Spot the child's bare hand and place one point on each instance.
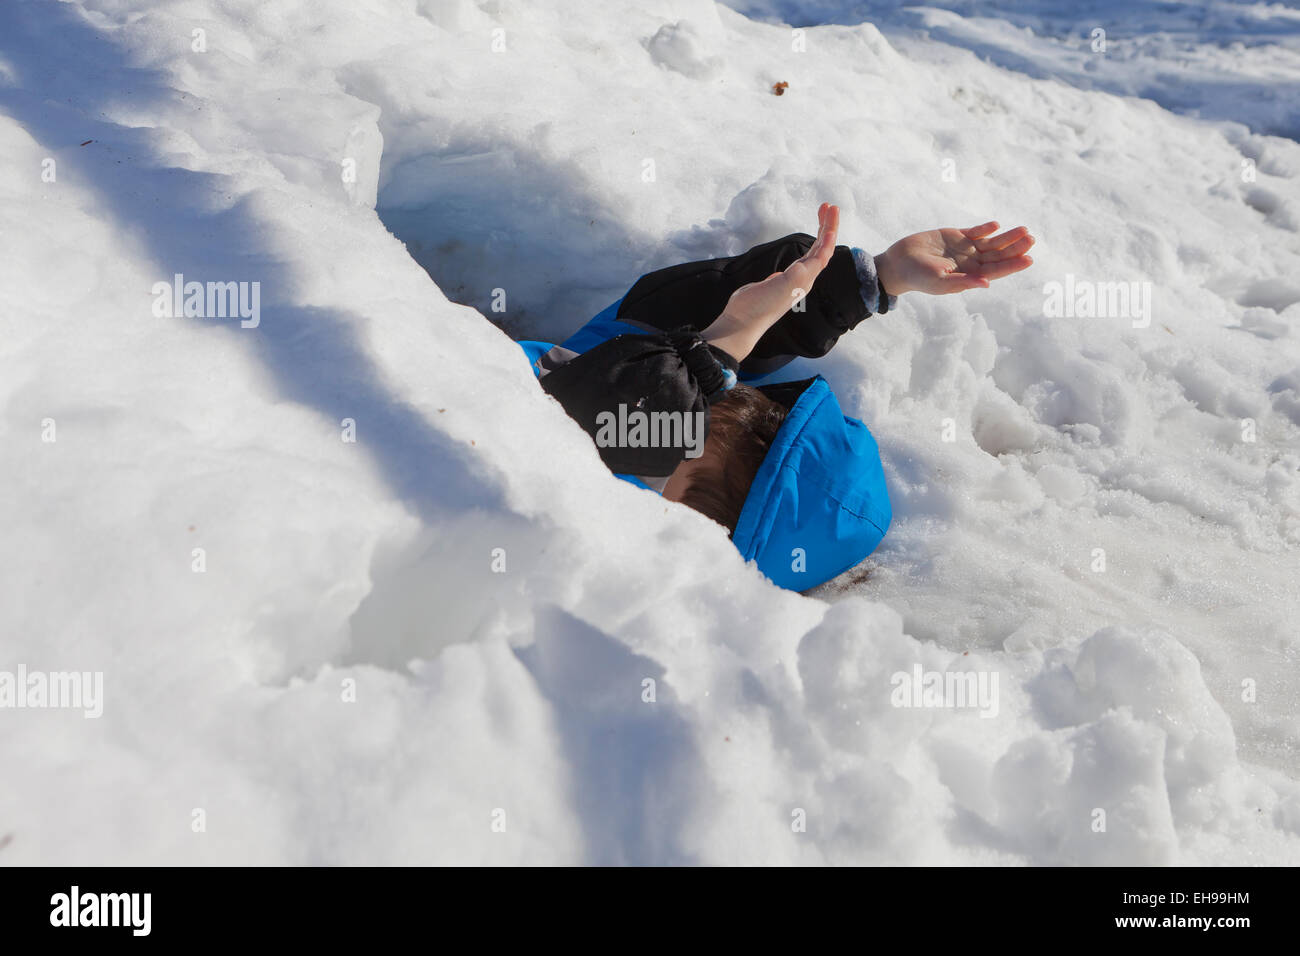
(773, 297)
(754, 308)
(953, 260)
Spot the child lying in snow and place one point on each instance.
(798, 484)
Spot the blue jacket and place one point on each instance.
(818, 504)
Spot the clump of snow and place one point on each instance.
(361, 593)
(679, 46)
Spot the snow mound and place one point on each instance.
(360, 593)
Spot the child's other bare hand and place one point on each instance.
(766, 301)
(754, 308)
(953, 260)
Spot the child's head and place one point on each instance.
(742, 427)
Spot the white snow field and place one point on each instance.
(433, 643)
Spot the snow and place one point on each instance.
(349, 679)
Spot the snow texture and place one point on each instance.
(457, 639)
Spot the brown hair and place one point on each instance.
(742, 427)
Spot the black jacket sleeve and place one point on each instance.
(695, 293)
(632, 378)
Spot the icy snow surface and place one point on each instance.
(434, 643)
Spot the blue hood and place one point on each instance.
(818, 504)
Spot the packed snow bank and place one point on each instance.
(1217, 59)
(456, 638)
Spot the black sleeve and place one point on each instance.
(674, 371)
(695, 293)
